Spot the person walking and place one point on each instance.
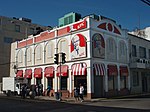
(76, 94)
(81, 92)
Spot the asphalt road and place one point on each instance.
(28, 105)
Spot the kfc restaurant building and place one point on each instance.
(96, 57)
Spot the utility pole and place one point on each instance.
(60, 58)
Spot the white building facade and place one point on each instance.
(96, 57)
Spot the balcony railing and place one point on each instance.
(140, 63)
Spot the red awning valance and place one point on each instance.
(49, 72)
(28, 73)
(112, 70)
(19, 73)
(79, 69)
(64, 70)
(38, 72)
(124, 71)
(99, 69)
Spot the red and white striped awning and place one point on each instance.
(63, 70)
(49, 72)
(124, 71)
(99, 69)
(112, 70)
(38, 72)
(28, 73)
(79, 69)
(19, 73)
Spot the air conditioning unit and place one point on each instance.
(146, 61)
(141, 60)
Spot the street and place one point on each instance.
(118, 105)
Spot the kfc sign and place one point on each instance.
(78, 26)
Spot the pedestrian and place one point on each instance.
(81, 92)
(76, 94)
(48, 90)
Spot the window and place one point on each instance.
(62, 46)
(110, 46)
(38, 81)
(49, 50)
(63, 83)
(29, 54)
(123, 81)
(135, 79)
(50, 82)
(20, 56)
(142, 52)
(0, 21)
(68, 20)
(31, 30)
(38, 52)
(134, 51)
(17, 28)
(149, 53)
(8, 40)
(122, 48)
(111, 82)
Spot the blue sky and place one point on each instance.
(130, 14)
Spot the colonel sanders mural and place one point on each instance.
(78, 46)
(98, 46)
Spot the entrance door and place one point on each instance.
(81, 80)
(98, 86)
(144, 83)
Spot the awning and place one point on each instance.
(79, 69)
(38, 72)
(112, 70)
(49, 72)
(99, 69)
(124, 71)
(19, 73)
(63, 72)
(28, 73)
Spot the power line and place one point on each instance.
(146, 2)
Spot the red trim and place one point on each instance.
(112, 70)
(124, 71)
(38, 72)
(64, 70)
(19, 73)
(28, 73)
(49, 72)
(79, 69)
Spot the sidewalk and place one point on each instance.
(72, 100)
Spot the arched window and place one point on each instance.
(49, 50)
(20, 56)
(123, 48)
(98, 45)
(38, 52)
(111, 49)
(29, 54)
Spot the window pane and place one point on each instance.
(31, 30)
(62, 44)
(8, 40)
(142, 52)
(17, 28)
(29, 54)
(63, 83)
(49, 50)
(133, 50)
(135, 79)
